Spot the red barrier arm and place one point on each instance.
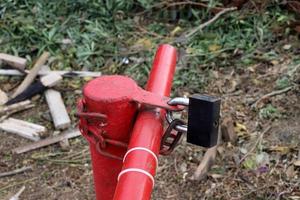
(135, 181)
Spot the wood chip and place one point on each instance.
(3, 98)
(64, 144)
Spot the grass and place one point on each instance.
(99, 35)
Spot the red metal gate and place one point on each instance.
(124, 130)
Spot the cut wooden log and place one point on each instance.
(15, 107)
(12, 72)
(48, 141)
(3, 98)
(32, 74)
(14, 61)
(58, 110)
(22, 128)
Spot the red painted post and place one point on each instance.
(107, 95)
(136, 180)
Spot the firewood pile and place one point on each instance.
(38, 80)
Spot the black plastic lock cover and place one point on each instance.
(203, 120)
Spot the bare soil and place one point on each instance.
(268, 172)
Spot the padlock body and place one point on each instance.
(203, 120)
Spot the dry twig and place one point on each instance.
(212, 20)
(6, 111)
(16, 171)
(207, 161)
(274, 93)
(48, 141)
(17, 183)
(17, 195)
(256, 143)
(167, 4)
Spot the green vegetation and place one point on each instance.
(99, 35)
(269, 112)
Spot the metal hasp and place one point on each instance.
(203, 120)
(124, 126)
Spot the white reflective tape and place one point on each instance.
(137, 170)
(142, 149)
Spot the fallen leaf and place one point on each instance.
(243, 150)
(87, 78)
(240, 129)
(274, 62)
(251, 69)
(290, 172)
(281, 149)
(262, 169)
(262, 159)
(297, 28)
(250, 162)
(297, 163)
(183, 167)
(215, 176)
(287, 46)
(66, 41)
(256, 82)
(145, 43)
(214, 47)
(221, 150)
(190, 50)
(176, 30)
(294, 197)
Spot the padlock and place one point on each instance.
(203, 120)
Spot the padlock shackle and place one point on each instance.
(136, 178)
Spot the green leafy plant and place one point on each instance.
(269, 112)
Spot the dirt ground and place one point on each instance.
(267, 170)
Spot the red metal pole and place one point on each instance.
(135, 181)
(106, 96)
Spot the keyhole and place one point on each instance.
(216, 123)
